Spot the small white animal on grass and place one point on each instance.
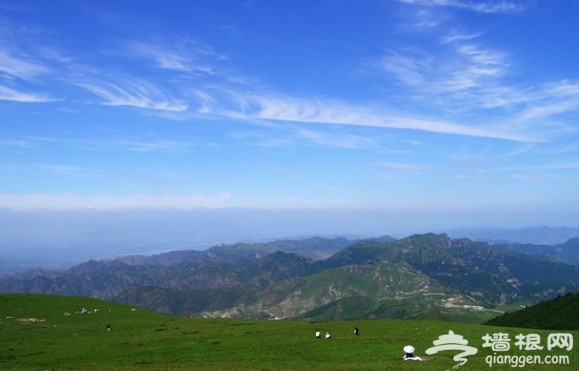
(328, 335)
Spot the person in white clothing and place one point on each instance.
(409, 354)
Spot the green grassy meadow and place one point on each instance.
(41, 332)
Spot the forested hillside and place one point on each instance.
(560, 313)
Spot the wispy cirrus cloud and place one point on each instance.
(184, 56)
(546, 108)
(290, 136)
(14, 95)
(14, 66)
(409, 69)
(465, 79)
(134, 94)
(489, 6)
(34, 64)
(457, 69)
(16, 69)
(187, 58)
(472, 67)
(303, 110)
(15, 143)
(334, 140)
(551, 99)
(139, 145)
(462, 68)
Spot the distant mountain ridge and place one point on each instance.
(222, 265)
(422, 276)
(567, 251)
(42, 250)
(542, 235)
(314, 248)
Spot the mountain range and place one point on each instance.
(429, 276)
(566, 251)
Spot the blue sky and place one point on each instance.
(453, 112)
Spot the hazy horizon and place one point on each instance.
(56, 239)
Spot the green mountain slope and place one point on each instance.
(560, 313)
(476, 269)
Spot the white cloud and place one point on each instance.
(459, 67)
(138, 145)
(474, 65)
(134, 94)
(289, 136)
(15, 67)
(461, 78)
(538, 111)
(340, 113)
(14, 95)
(18, 67)
(548, 102)
(409, 69)
(15, 143)
(163, 58)
(489, 6)
(184, 56)
(334, 140)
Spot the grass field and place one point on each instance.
(40, 332)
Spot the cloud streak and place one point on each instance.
(18, 67)
(13, 95)
(490, 6)
(340, 113)
(465, 79)
(184, 56)
(134, 94)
